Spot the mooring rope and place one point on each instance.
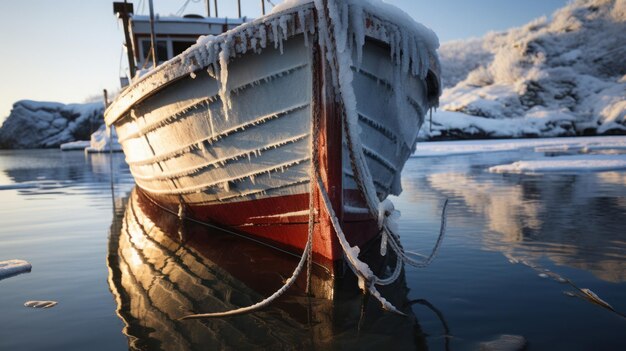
(288, 283)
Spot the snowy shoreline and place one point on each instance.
(558, 76)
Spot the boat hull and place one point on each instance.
(233, 147)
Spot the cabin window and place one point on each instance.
(178, 46)
(161, 50)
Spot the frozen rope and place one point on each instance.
(341, 62)
(367, 279)
(265, 302)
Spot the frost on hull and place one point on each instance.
(225, 128)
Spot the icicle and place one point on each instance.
(224, 91)
(302, 20)
(283, 25)
(383, 244)
(262, 36)
(275, 32)
(210, 117)
(430, 119)
(415, 61)
(358, 27)
(405, 52)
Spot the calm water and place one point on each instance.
(121, 276)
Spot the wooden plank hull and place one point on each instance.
(238, 154)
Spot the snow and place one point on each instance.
(38, 124)
(562, 76)
(449, 148)
(75, 145)
(13, 267)
(103, 140)
(564, 155)
(578, 163)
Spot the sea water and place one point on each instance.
(518, 250)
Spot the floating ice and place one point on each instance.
(103, 140)
(13, 267)
(40, 304)
(578, 163)
(449, 148)
(75, 145)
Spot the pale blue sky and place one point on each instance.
(69, 50)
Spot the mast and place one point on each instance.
(152, 36)
(124, 10)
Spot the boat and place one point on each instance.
(312, 108)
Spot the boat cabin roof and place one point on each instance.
(174, 34)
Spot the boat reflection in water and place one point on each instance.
(161, 270)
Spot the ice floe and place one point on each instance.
(576, 163)
(40, 304)
(449, 148)
(564, 155)
(10, 268)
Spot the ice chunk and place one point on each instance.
(13, 267)
(40, 304)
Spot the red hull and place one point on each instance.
(261, 219)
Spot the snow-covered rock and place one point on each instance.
(34, 124)
(552, 77)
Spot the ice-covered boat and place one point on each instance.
(234, 129)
